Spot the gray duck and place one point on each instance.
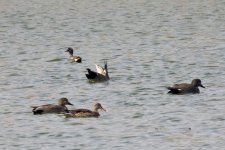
(52, 108)
(186, 88)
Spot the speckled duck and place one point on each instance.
(85, 113)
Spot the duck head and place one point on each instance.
(98, 106)
(64, 101)
(70, 51)
(197, 82)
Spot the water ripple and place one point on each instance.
(148, 45)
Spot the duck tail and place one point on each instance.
(106, 69)
(105, 63)
(37, 112)
(173, 90)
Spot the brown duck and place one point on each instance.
(186, 88)
(52, 108)
(83, 113)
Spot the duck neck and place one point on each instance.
(194, 84)
(95, 110)
(61, 104)
(71, 54)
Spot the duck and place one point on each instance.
(86, 113)
(73, 58)
(52, 108)
(186, 88)
(100, 75)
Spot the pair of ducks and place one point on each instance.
(61, 108)
(100, 75)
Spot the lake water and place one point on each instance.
(149, 44)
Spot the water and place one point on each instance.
(148, 44)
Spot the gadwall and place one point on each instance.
(52, 108)
(72, 57)
(185, 88)
(83, 113)
(100, 75)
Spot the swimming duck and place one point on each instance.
(73, 58)
(100, 75)
(185, 88)
(52, 108)
(84, 113)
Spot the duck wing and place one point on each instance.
(100, 70)
(81, 110)
(173, 90)
(179, 88)
(49, 108)
(82, 113)
(38, 110)
(78, 59)
(41, 107)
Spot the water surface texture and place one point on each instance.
(149, 44)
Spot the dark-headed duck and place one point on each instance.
(73, 58)
(52, 108)
(186, 88)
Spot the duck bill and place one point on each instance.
(103, 109)
(70, 103)
(202, 86)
